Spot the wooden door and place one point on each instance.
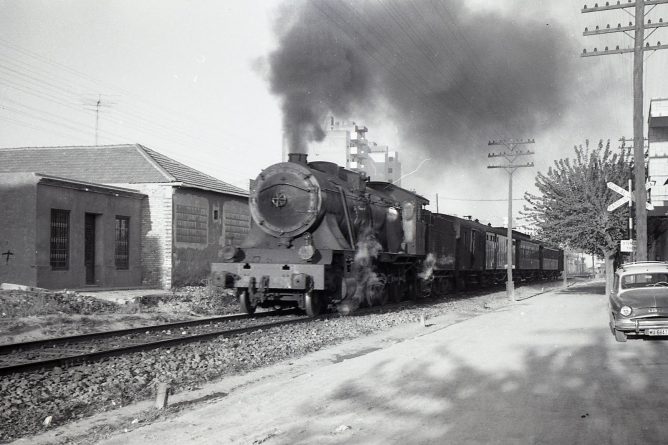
(89, 248)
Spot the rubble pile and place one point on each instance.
(200, 300)
(21, 303)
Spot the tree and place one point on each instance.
(571, 209)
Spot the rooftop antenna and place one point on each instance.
(96, 105)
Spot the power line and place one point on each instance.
(478, 200)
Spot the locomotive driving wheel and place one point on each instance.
(414, 288)
(245, 302)
(393, 291)
(376, 294)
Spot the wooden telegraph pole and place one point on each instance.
(638, 63)
(511, 156)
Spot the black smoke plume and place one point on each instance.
(317, 70)
(449, 77)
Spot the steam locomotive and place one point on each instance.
(323, 235)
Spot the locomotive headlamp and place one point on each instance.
(625, 311)
(307, 251)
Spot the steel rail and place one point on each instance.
(8, 348)
(97, 355)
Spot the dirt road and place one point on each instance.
(543, 370)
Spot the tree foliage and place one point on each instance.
(571, 208)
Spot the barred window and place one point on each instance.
(60, 239)
(122, 254)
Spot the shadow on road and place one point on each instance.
(599, 392)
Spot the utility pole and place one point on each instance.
(511, 156)
(638, 64)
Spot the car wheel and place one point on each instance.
(620, 336)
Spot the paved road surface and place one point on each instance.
(545, 371)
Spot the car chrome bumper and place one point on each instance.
(639, 325)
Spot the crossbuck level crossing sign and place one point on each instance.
(627, 196)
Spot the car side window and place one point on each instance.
(615, 284)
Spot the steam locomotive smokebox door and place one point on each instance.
(286, 200)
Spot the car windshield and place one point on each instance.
(644, 279)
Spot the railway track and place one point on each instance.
(78, 349)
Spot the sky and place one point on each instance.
(214, 84)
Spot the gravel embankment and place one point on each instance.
(70, 394)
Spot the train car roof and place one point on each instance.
(498, 230)
(402, 193)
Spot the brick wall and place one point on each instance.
(205, 222)
(156, 234)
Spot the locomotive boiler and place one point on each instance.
(320, 235)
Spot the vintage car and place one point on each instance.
(639, 300)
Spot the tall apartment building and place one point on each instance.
(657, 163)
(385, 163)
(346, 144)
(657, 169)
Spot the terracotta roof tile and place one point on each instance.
(109, 164)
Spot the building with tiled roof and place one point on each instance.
(186, 217)
(111, 164)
